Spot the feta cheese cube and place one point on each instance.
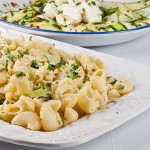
(92, 13)
(60, 20)
(50, 10)
(59, 2)
(70, 12)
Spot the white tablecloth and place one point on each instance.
(133, 135)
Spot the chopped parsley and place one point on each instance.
(121, 87)
(42, 1)
(74, 67)
(27, 95)
(58, 65)
(73, 72)
(108, 77)
(1, 101)
(27, 52)
(12, 14)
(93, 2)
(61, 63)
(20, 54)
(4, 5)
(51, 67)
(113, 82)
(46, 88)
(30, 38)
(5, 17)
(59, 122)
(11, 57)
(34, 64)
(8, 50)
(20, 74)
(78, 3)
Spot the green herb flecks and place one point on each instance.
(121, 87)
(27, 52)
(58, 65)
(93, 2)
(1, 101)
(61, 63)
(113, 82)
(78, 3)
(12, 13)
(44, 91)
(27, 95)
(73, 72)
(20, 54)
(4, 5)
(30, 38)
(20, 74)
(11, 57)
(51, 67)
(4, 17)
(74, 67)
(42, 1)
(34, 64)
(59, 122)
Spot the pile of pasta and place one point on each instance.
(43, 88)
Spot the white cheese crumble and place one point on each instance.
(74, 11)
(50, 10)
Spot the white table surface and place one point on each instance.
(133, 135)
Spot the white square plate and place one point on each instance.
(89, 127)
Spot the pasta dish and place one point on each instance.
(43, 88)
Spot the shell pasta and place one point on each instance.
(44, 89)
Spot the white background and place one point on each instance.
(133, 135)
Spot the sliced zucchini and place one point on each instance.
(128, 25)
(31, 11)
(124, 17)
(86, 31)
(124, 10)
(140, 14)
(112, 18)
(140, 23)
(109, 29)
(13, 16)
(109, 5)
(43, 25)
(138, 5)
(119, 26)
(51, 21)
(32, 2)
(80, 28)
(102, 30)
(107, 12)
(92, 27)
(69, 28)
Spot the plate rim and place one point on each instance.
(74, 33)
(70, 143)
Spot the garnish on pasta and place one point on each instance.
(42, 88)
